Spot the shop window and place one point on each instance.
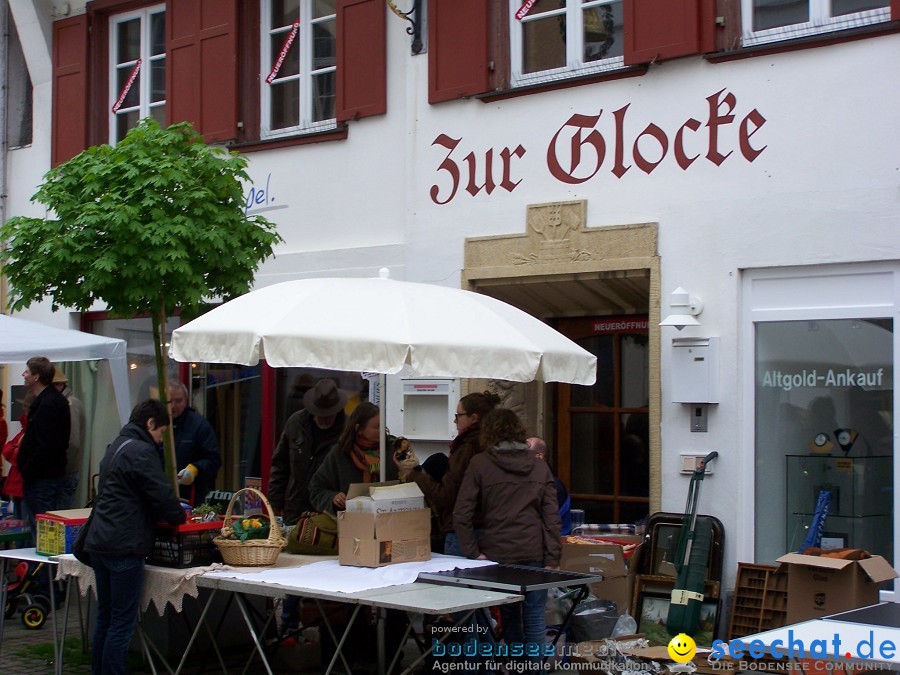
(824, 424)
(137, 75)
(768, 21)
(298, 66)
(560, 39)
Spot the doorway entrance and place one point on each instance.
(603, 431)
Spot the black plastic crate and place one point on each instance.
(187, 545)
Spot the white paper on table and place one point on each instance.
(328, 575)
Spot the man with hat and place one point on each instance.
(76, 440)
(308, 436)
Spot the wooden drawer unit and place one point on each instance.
(760, 600)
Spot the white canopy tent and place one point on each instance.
(21, 339)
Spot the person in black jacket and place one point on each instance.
(42, 454)
(133, 496)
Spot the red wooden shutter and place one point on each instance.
(664, 29)
(69, 128)
(458, 50)
(361, 59)
(895, 10)
(202, 66)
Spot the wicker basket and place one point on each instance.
(253, 552)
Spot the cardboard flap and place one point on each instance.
(815, 561)
(877, 568)
(360, 489)
(70, 514)
(398, 491)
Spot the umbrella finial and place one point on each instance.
(384, 273)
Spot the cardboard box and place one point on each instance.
(377, 539)
(820, 586)
(607, 559)
(56, 530)
(388, 499)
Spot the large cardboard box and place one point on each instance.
(820, 586)
(378, 539)
(605, 558)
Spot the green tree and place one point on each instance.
(153, 224)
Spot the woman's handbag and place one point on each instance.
(315, 534)
(81, 555)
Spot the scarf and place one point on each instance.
(365, 458)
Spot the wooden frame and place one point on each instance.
(656, 589)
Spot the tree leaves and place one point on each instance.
(160, 215)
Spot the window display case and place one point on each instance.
(861, 511)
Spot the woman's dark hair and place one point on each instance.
(359, 418)
(501, 424)
(479, 403)
(151, 409)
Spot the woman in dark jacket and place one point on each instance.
(441, 494)
(355, 459)
(516, 493)
(133, 496)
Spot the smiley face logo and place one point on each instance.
(682, 648)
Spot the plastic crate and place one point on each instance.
(187, 545)
(56, 530)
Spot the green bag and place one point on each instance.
(315, 534)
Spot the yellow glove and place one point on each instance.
(187, 475)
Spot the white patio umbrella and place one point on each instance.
(381, 325)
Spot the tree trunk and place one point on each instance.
(158, 319)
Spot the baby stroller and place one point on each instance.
(21, 591)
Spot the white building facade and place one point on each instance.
(581, 160)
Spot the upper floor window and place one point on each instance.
(560, 38)
(137, 58)
(298, 66)
(775, 20)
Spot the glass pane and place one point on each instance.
(603, 29)
(323, 97)
(128, 41)
(125, 122)
(596, 511)
(284, 12)
(635, 371)
(158, 80)
(634, 456)
(593, 449)
(323, 44)
(291, 64)
(603, 391)
(323, 8)
(775, 13)
(159, 114)
(133, 97)
(631, 512)
(158, 33)
(285, 99)
(824, 402)
(292, 383)
(841, 7)
(544, 44)
(542, 6)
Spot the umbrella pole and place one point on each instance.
(382, 427)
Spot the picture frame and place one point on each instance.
(652, 611)
(652, 595)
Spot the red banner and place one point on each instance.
(285, 48)
(127, 87)
(524, 9)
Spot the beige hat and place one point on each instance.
(59, 377)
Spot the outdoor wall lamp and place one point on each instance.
(684, 309)
(414, 16)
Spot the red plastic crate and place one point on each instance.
(187, 545)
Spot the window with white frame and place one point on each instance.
(137, 82)
(556, 39)
(776, 20)
(298, 66)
